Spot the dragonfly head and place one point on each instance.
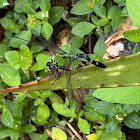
(49, 67)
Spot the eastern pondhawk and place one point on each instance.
(62, 59)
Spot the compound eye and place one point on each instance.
(49, 63)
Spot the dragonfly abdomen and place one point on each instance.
(96, 63)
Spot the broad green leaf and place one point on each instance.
(82, 28)
(136, 49)
(113, 11)
(17, 42)
(55, 98)
(84, 126)
(36, 136)
(132, 35)
(73, 21)
(94, 19)
(99, 9)
(13, 58)
(14, 135)
(92, 115)
(42, 15)
(76, 42)
(102, 22)
(128, 95)
(60, 109)
(4, 133)
(7, 23)
(42, 58)
(55, 14)
(117, 21)
(26, 57)
(36, 48)
(107, 27)
(103, 106)
(3, 3)
(37, 102)
(9, 75)
(47, 30)
(28, 128)
(20, 5)
(43, 113)
(132, 121)
(58, 134)
(47, 93)
(133, 6)
(3, 49)
(21, 96)
(127, 109)
(7, 118)
(89, 99)
(45, 5)
(111, 126)
(92, 137)
(100, 48)
(82, 7)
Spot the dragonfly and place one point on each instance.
(60, 62)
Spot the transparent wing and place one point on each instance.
(50, 45)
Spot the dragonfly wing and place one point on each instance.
(49, 45)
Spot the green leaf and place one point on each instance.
(17, 42)
(103, 107)
(127, 109)
(99, 9)
(89, 99)
(102, 22)
(21, 96)
(128, 95)
(111, 126)
(28, 128)
(9, 75)
(133, 6)
(117, 20)
(47, 30)
(132, 35)
(58, 134)
(43, 113)
(4, 134)
(13, 58)
(26, 57)
(100, 48)
(37, 102)
(82, 28)
(36, 136)
(45, 5)
(76, 42)
(3, 49)
(73, 21)
(60, 109)
(94, 19)
(42, 58)
(3, 3)
(55, 98)
(132, 121)
(136, 49)
(7, 118)
(82, 7)
(84, 126)
(55, 14)
(20, 5)
(14, 135)
(7, 23)
(92, 115)
(113, 11)
(47, 93)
